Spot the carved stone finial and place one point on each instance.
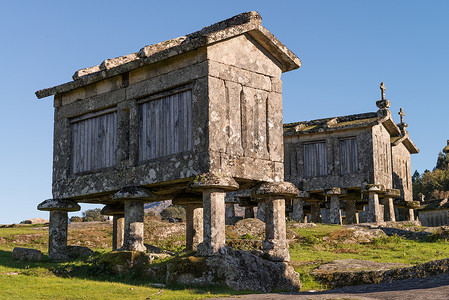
(383, 103)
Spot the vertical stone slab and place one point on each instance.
(411, 214)
(351, 212)
(194, 226)
(334, 211)
(118, 231)
(133, 237)
(315, 212)
(213, 222)
(298, 210)
(57, 241)
(249, 212)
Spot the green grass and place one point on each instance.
(314, 251)
(81, 280)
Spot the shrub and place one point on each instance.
(76, 219)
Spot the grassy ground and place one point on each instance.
(81, 280)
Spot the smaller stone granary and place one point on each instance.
(186, 119)
(357, 158)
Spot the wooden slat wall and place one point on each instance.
(165, 126)
(94, 143)
(348, 156)
(315, 159)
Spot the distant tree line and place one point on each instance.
(433, 184)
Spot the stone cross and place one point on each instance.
(402, 114)
(382, 87)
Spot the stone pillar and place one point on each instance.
(315, 212)
(230, 211)
(411, 214)
(213, 189)
(275, 245)
(298, 210)
(117, 211)
(134, 199)
(57, 233)
(373, 208)
(351, 212)
(249, 212)
(334, 210)
(261, 211)
(194, 226)
(389, 214)
(118, 231)
(193, 204)
(133, 237)
(374, 213)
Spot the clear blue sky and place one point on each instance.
(347, 48)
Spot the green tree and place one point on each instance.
(92, 215)
(442, 162)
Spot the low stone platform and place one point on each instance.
(347, 272)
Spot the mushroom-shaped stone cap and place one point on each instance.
(134, 193)
(213, 181)
(58, 204)
(377, 188)
(110, 210)
(187, 198)
(392, 193)
(268, 189)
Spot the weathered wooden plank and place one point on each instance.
(165, 126)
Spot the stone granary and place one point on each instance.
(187, 119)
(344, 158)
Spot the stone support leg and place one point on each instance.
(411, 214)
(315, 212)
(261, 211)
(249, 212)
(133, 237)
(213, 222)
(194, 226)
(57, 241)
(298, 210)
(335, 214)
(374, 214)
(351, 212)
(389, 209)
(230, 211)
(275, 243)
(118, 231)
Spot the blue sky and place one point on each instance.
(347, 48)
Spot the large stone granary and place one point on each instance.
(186, 119)
(351, 161)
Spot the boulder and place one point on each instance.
(239, 270)
(26, 254)
(78, 251)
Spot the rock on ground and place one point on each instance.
(239, 270)
(26, 254)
